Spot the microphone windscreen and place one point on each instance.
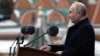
(27, 30)
(24, 30)
(53, 30)
(31, 30)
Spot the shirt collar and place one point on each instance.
(83, 20)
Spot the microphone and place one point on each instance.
(52, 31)
(28, 30)
(24, 30)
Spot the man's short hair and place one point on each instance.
(80, 7)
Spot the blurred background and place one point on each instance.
(14, 14)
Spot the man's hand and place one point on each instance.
(45, 48)
(59, 52)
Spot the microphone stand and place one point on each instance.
(35, 39)
(13, 44)
(18, 42)
(16, 45)
(14, 51)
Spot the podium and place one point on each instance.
(27, 51)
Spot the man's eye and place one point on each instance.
(70, 11)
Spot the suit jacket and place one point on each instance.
(79, 41)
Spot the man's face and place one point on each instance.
(73, 14)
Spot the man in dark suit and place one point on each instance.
(80, 38)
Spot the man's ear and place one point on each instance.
(80, 13)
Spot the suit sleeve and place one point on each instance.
(85, 43)
(55, 48)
